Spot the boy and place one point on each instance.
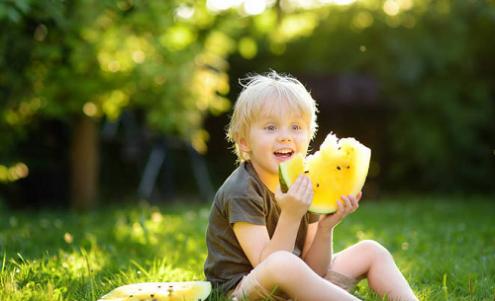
(263, 243)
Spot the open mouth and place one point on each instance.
(283, 154)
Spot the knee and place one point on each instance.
(283, 263)
(375, 250)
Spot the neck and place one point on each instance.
(271, 181)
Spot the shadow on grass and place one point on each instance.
(85, 255)
(443, 246)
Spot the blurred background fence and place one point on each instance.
(103, 101)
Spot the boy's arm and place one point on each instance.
(318, 246)
(254, 239)
(256, 243)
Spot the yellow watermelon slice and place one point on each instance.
(289, 170)
(160, 291)
(339, 168)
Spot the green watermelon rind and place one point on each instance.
(283, 178)
(320, 210)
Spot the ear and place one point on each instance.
(244, 145)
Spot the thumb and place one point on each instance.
(278, 192)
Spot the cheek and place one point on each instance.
(303, 140)
(303, 137)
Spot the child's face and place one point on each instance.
(275, 137)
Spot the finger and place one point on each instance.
(278, 190)
(306, 182)
(347, 203)
(340, 214)
(308, 185)
(305, 187)
(340, 209)
(309, 196)
(354, 203)
(350, 208)
(359, 195)
(295, 186)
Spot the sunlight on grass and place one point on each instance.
(81, 262)
(444, 248)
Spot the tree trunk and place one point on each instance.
(84, 157)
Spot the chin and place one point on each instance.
(280, 160)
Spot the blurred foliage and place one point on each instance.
(434, 65)
(436, 70)
(169, 59)
(63, 59)
(13, 173)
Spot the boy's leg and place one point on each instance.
(369, 259)
(289, 273)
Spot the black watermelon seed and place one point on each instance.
(339, 148)
(338, 167)
(151, 295)
(317, 184)
(306, 171)
(348, 167)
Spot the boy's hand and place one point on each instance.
(297, 199)
(348, 205)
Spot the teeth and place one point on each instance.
(284, 151)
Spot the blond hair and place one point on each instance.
(274, 89)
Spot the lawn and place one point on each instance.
(444, 246)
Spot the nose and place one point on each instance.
(285, 136)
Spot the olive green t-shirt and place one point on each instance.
(241, 198)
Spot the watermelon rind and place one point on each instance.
(289, 170)
(160, 291)
(284, 178)
(322, 210)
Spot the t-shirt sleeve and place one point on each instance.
(250, 210)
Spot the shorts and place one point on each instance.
(250, 283)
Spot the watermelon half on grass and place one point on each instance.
(160, 291)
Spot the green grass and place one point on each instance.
(445, 247)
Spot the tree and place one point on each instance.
(433, 65)
(84, 61)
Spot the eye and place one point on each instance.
(296, 127)
(270, 128)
